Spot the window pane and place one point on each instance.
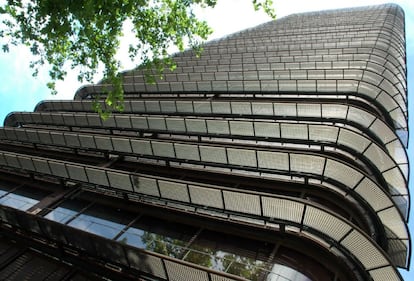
(22, 198)
(66, 211)
(102, 221)
(159, 236)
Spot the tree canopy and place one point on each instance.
(86, 34)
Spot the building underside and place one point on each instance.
(279, 154)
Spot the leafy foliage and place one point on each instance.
(87, 34)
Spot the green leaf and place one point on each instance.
(87, 34)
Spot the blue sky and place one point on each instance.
(19, 91)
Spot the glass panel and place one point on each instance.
(102, 221)
(283, 273)
(22, 198)
(66, 211)
(228, 253)
(159, 236)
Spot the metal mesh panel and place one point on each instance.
(103, 143)
(397, 249)
(121, 145)
(121, 181)
(353, 140)
(242, 157)
(58, 169)
(176, 124)
(220, 278)
(241, 108)
(180, 272)
(323, 133)
(44, 137)
(141, 147)
(146, 186)
(307, 163)
(379, 157)
(12, 161)
(213, 154)
(326, 223)
(3, 160)
(309, 110)
(86, 141)
(334, 111)
(241, 128)
(41, 166)
(72, 139)
(262, 108)
(393, 219)
(202, 107)
(384, 274)
(383, 131)
(57, 138)
(152, 106)
(373, 195)
(138, 122)
(218, 127)
(27, 163)
(264, 129)
(163, 149)
(172, 190)
(342, 173)
(364, 250)
(294, 131)
(282, 209)
(168, 106)
(206, 196)
(285, 109)
(245, 203)
(394, 178)
(97, 176)
(273, 160)
(360, 116)
(196, 126)
(156, 123)
(185, 106)
(187, 151)
(221, 107)
(146, 263)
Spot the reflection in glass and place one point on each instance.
(204, 256)
(22, 198)
(281, 273)
(66, 211)
(159, 236)
(102, 221)
(17, 201)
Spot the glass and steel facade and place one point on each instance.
(279, 154)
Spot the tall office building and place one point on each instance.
(278, 155)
